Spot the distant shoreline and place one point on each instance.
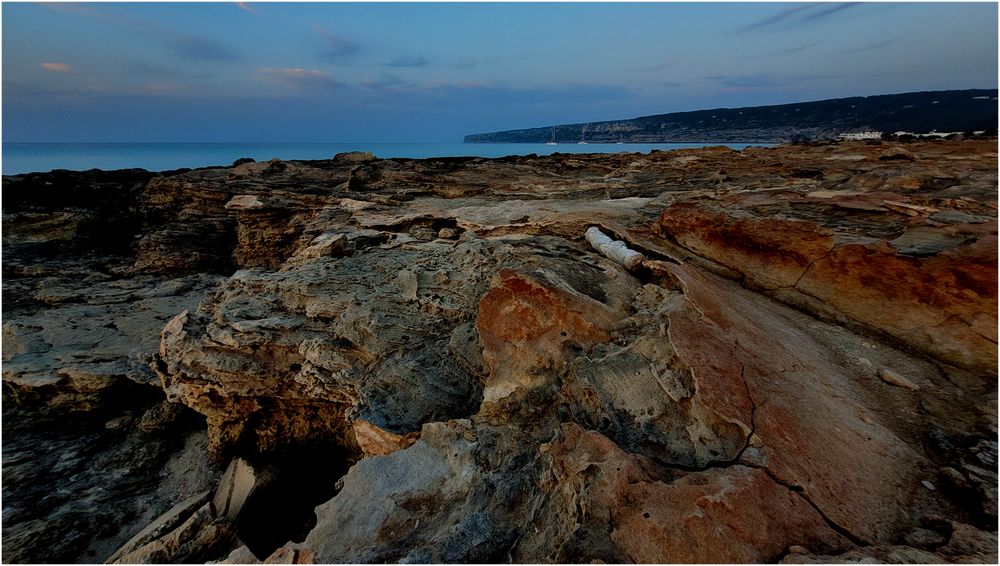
(942, 111)
(35, 157)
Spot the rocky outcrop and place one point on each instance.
(928, 283)
(428, 361)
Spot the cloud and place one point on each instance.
(474, 94)
(761, 80)
(246, 6)
(657, 67)
(776, 19)
(58, 67)
(871, 46)
(409, 61)
(748, 81)
(164, 87)
(70, 8)
(798, 15)
(336, 47)
(299, 77)
(187, 46)
(183, 45)
(828, 11)
(82, 90)
(147, 69)
(470, 61)
(790, 50)
(383, 81)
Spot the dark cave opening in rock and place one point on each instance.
(290, 484)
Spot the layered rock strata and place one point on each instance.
(426, 361)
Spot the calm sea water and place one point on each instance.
(32, 157)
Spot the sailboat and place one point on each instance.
(553, 142)
(583, 137)
(620, 142)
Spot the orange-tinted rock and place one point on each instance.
(374, 441)
(945, 304)
(723, 515)
(862, 475)
(526, 324)
(933, 288)
(708, 351)
(771, 253)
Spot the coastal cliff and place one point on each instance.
(399, 360)
(942, 111)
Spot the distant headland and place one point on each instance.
(941, 111)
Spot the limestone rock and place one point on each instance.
(722, 515)
(525, 324)
(234, 488)
(426, 361)
(932, 287)
(374, 441)
(355, 156)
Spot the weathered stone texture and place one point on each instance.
(390, 360)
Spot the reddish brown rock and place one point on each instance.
(525, 325)
(945, 304)
(933, 287)
(862, 475)
(771, 253)
(723, 515)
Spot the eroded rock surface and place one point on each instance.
(425, 361)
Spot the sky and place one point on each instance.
(382, 72)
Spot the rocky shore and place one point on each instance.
(397, 360)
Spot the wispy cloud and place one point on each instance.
(790, 50)
(409, 61)
(149, 69)
(246, 6)
(778, 18)
(335, 46)
(69, 8)
(828, 10)
(183, 45)
(299, 77)
(871, 46)
(84, 90)
(477, 93)
(39, 93)
(798, 15)
(384, 80)
(58, 67)
(758, 81)
(471, 61)
(749, 81)
(657, 66)
(187, 46)
(164, 87)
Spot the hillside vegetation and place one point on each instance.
(943, 111)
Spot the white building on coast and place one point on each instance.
(861, 136)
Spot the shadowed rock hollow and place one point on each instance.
(395, 360)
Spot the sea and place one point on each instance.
(36, 157)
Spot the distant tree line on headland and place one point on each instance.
(966, 111)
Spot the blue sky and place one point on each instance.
(373, 72)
